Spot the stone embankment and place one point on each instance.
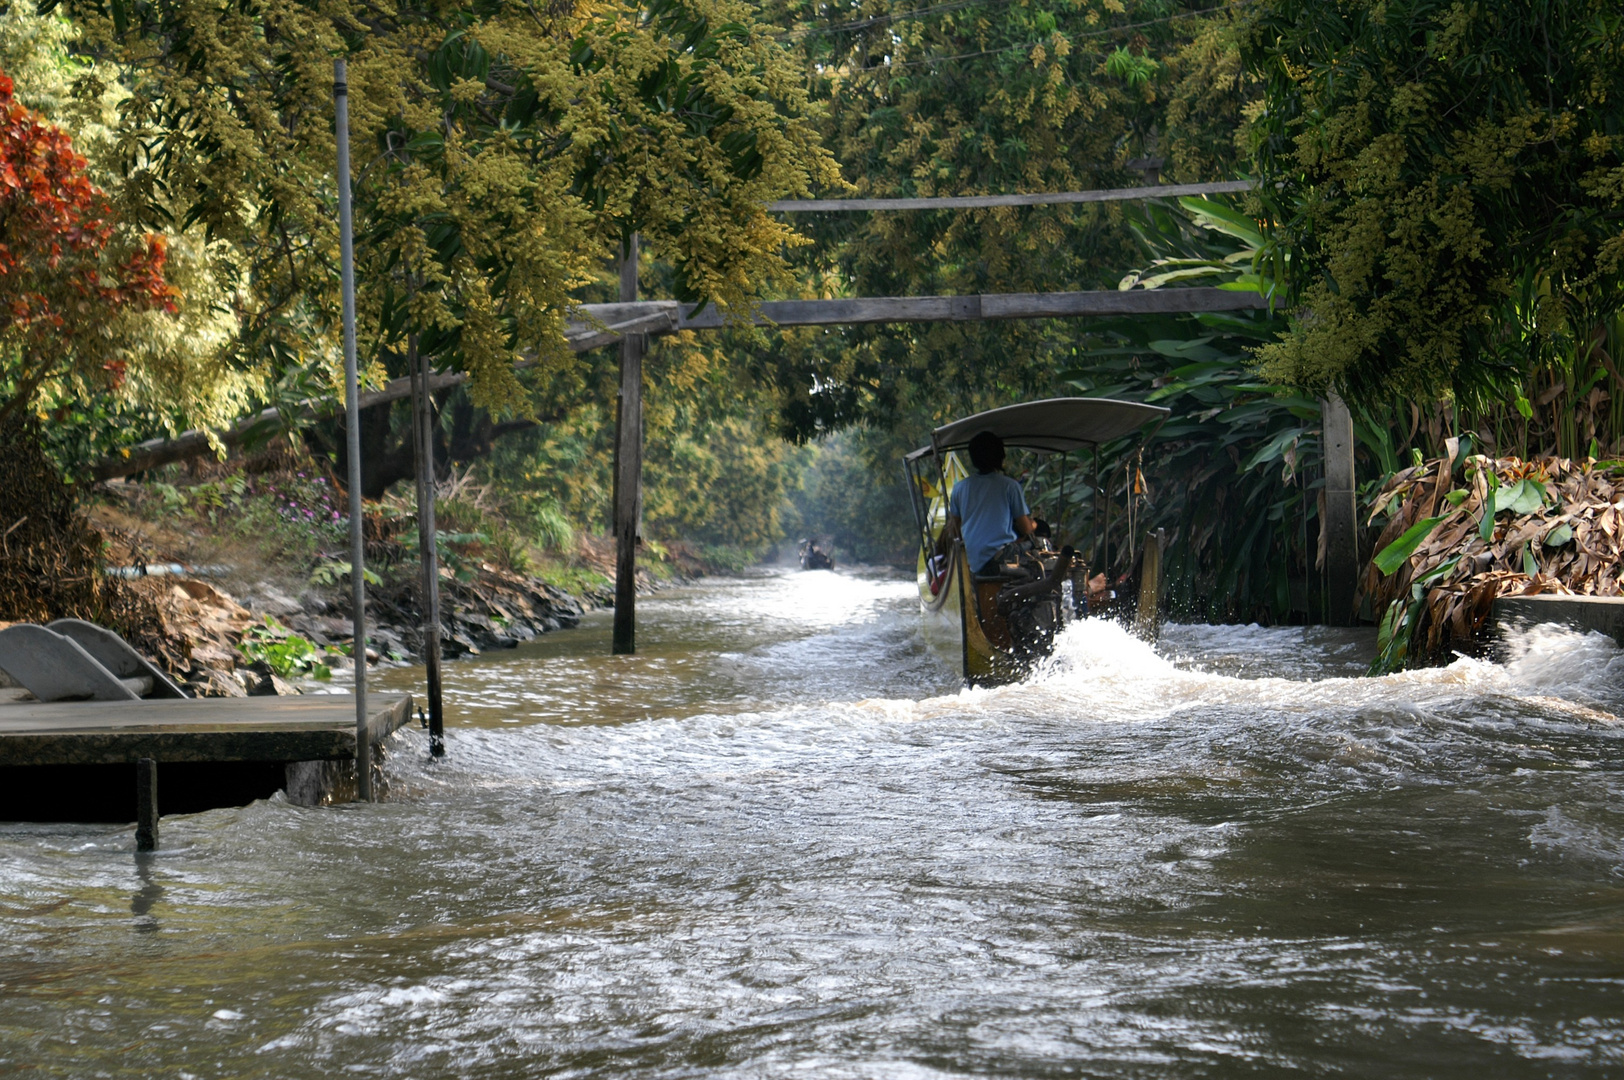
(495, 610)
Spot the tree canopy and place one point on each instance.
(504, 151)
(1448, 179)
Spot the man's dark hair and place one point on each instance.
(987, 452)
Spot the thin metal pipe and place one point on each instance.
(1060, 524)
(427, 543)
(352, 434)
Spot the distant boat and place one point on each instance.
(997, 626)
(814, 557)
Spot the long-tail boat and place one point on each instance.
(996, 626)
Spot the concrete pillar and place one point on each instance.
(1341, 521)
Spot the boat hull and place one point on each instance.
(951, 623)
(951, 617)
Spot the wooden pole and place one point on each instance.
(423, 445)
(1341, 522)
(628, 467)
(1047, 198)
(146, 805)
(352, 432)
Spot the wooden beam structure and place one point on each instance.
(1341, 520)
(905, 309)
(606, 324)
(976, 202)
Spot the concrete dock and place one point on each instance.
(1602, 614)
(76, 761)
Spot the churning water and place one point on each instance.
(780, 842)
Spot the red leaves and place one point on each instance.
(59, 282)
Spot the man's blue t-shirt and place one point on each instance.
(986, 505)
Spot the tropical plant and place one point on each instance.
(1235, 473)
(1464, 529)
(284, 652)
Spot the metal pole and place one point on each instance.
(628, 496)
(352, 435)
(1094, 500)
(423, 444)
(1060, 524)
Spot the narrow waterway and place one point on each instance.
(780, 841)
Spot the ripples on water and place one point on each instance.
(778, 841)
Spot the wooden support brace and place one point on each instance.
(632, 319)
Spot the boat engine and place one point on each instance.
(1031, 607)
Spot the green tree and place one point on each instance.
(979, 98)
(1448, 179)
(502, 152)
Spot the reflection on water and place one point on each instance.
(780, 840)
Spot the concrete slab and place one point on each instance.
(311, 727)
(1604, 614)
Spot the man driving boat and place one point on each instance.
(987, 508)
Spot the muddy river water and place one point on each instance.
(781, 842)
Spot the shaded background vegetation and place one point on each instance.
(1441, 235)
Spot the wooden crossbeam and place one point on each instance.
(608, 322)
(901, 309)
(1048, 198)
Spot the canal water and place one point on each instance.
(780, 842)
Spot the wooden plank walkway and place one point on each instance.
(310, 727)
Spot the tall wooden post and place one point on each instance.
(1341, 522)
(423, 444)
(628, 494)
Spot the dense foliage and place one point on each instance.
(502, 152)
(1449, 181)
(961, 99)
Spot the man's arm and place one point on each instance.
(1024, 525)
(949, 533)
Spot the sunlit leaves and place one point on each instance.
(64, 280)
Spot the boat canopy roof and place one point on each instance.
(1054, 425)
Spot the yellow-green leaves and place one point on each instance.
(1422, 160)
(502, 153)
